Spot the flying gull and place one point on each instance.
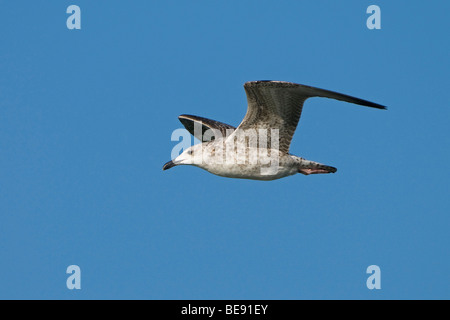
(258, 148)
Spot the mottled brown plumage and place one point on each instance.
(274, 109)
(279, 104)
(190, 121)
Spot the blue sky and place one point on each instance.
(86, 118)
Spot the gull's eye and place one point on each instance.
(190, 152)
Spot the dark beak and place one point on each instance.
(169, 165)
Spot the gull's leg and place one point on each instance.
(307, 167)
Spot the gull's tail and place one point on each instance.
(307, 167)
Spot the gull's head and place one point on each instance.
(190, 156)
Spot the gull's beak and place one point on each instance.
(169, 165)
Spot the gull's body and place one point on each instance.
(259, 147)
(286, 166)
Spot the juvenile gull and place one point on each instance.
(259, 147)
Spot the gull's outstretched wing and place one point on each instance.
(278, 105)
(204, 124)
